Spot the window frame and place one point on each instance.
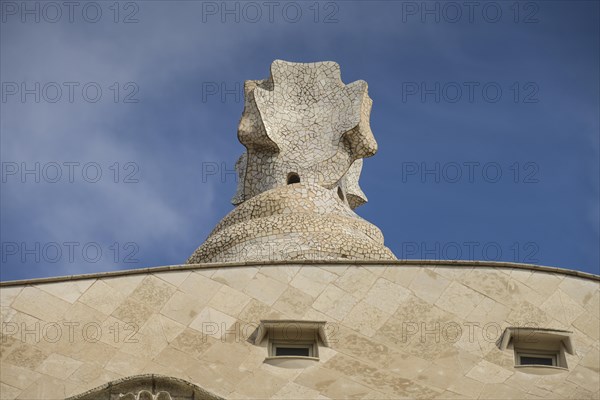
(312, 347)
(538, 342)
(291, 333)
(554, 356)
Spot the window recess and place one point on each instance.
(538, 350)
(291, 343)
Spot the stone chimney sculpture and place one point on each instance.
(305, 134)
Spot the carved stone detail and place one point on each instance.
(147, 387)
(145, 395)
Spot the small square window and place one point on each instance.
(279, 349)
(538, 350)
(292, 351)
(291, 343)
(528, 358)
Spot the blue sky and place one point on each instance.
(487, 121)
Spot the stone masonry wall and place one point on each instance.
(63, 338)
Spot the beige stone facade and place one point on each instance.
(395, 330)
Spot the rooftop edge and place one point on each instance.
(183, 267)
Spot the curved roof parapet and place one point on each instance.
(390, 263)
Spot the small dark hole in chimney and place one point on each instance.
(293, 178)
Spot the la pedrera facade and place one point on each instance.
(294, 296)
